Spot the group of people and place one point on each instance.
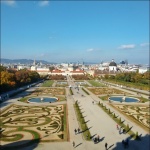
(77, 131)
(124, 142)
(96, 139)
(121, 130)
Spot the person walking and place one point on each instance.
(75, 131)
(117, 127)
(106, 146)
(73, 143)
(98, 138)
(78, 130)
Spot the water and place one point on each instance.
(80, 83)
(42, 100)
(121, 99)
(61, 82)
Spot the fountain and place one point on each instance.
(42, 99)
(123, 99)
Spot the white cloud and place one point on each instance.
(144, 44)
(44, 3)
(129, 46)
(9, 2)
(90, 50)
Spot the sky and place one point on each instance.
(75, 31)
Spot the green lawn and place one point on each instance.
(130, 84)
(142, 99)
(105, 98)
(48, 83)
(85, 91)
(96, 83)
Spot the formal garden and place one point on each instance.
(138, 114)
(26, 124)
(49, 91)
(59, 93)
(106, 90)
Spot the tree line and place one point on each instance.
(132, 77)
(11, 79)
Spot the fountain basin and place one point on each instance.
(123, 99)
(42, 100)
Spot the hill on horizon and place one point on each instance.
(23, 61)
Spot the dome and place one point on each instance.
(112, 64)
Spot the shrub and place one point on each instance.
(114, 115)
(85, 91)
(127, 127)
(120, 119)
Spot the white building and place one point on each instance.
(143, 69)
(112, 66)
(19, 67)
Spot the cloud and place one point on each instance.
(44, 3)
(129, 46)
(144, 44)
(9, 2)
(90, 50)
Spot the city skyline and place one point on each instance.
(60, 31)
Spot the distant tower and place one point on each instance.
(34, 62)
(41, 63)
(126, 62)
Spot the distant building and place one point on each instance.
(77, 72)
(143, 69)
(19, 67)
(112, 66)
(56, 72)
(33, 68)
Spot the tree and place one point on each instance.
(2, 68)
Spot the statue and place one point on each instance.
(123, 99)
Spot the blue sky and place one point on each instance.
(64, 31)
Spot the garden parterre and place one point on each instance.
(139, 113)
(26, 123)
(106, 90)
